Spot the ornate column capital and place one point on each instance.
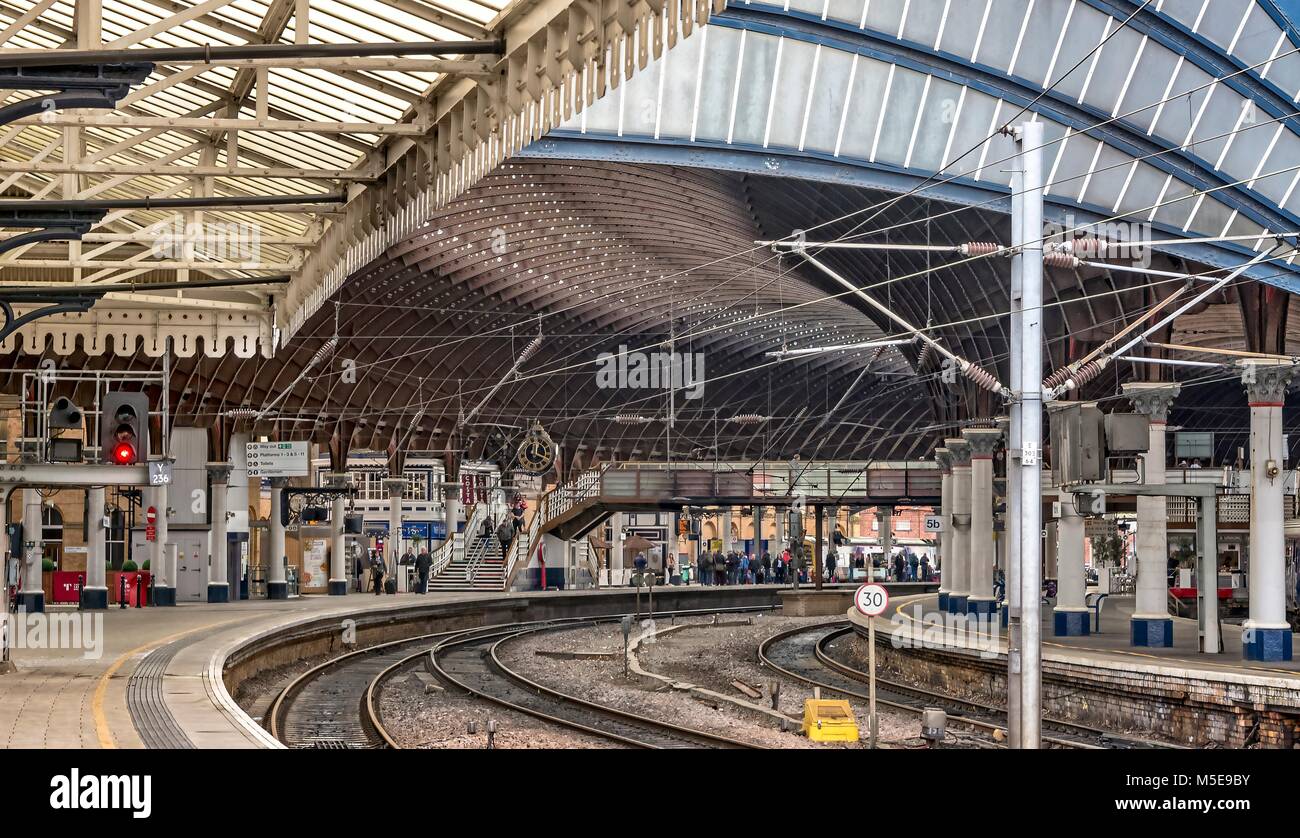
(339, 481)
(395, 486)
(278, 482)
(1266, 382)
(219, 473)
(983, 442)
(959, 451)
(1153, 398)
(943, 457)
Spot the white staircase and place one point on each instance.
(481, 567)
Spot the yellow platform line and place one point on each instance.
(102, 730)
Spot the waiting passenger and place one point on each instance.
(377, 571)
(767, 568)
(719, 568)
(422, 564)
(830, 565)
(744, 568)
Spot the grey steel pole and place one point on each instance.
(1030, 139)
(1207, 539)
(1012, 581)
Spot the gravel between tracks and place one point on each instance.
(710, 657)
(441, 720)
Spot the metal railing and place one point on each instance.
(447, 550)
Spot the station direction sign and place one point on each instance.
(277, 459)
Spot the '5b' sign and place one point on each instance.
(934, 523)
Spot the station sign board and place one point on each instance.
(277, 459)
(934, 523)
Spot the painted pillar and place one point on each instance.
(395, 487)
(451, 507)
(1070, 616)
(1266, 635)
(959, 563)
(726, 519)
(782, 513)
(758, 532)
(218, 549)
(885, 532)
(33, 595)
(943, 457)
(616, 523)
(1151, 624)
(277, 586)
(164, 584)
(94, 594)
(338, 541)
(983, 442)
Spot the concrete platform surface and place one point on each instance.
(78, 697)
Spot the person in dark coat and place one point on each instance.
(899, 566)
(719, 568)
(830, 565)
(423, 563)
(377, 570)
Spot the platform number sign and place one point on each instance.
(871, 600)
(934, 523)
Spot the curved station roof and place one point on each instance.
(474, 242)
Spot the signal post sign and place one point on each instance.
(151, 524)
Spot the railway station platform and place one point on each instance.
(152, 682)
(1199, 698)
(156, 677)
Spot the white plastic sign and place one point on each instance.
(934, 523)
(871, 600)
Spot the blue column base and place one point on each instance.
(218, 593)
(338, 587)
(957, 603)
(1266, 644)
(943, 600)
(94, 599)
(277, 590)
(982, 608)
(1071, 623)
(164, 596)
(33, 602)
(1006, 615)
(1153, 632)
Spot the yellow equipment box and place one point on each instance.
(829, 721)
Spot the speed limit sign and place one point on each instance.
(871, 600)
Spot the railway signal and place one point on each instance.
(124, 428)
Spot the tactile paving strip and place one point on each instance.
(144, 698)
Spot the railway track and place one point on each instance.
(804, 654)
(335, 704)
(474, 664)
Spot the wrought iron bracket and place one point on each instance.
(293, 500)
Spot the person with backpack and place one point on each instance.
(423, 562)
(744, 568)
(830, 565)
(719, 568)
(377, 571)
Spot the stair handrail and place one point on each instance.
(447, 550)
(551, 503)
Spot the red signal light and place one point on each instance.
(124, 454)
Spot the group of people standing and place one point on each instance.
(735, 568)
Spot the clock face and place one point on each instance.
(536, 453)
